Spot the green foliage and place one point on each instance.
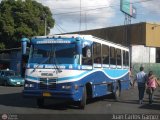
(2, 46)
(22, 18)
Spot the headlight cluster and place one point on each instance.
(29, 85)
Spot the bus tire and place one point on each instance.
(117, 92)
(40, 102)
(82, 103)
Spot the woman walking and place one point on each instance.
(151, 86)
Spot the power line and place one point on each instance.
(87, 10)
(102, 7)
(82, 10)
(63, 30)
(58, 29)
(80, 16)
(81, 7)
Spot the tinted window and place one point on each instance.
(119, 59)
(53, 53)
(125, 58)
(112, 56)
(87, 55)
(97, 53)
(105, 54)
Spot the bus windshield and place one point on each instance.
(52, 54)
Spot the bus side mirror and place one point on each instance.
(24, 42)
(86, 52)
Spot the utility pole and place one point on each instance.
(45, 22)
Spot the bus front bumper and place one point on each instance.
(67, 95)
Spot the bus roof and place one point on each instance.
(61, 36)
(85, 37)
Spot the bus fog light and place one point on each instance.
(76, 87)
(31, 85)
(66, 87)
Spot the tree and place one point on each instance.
(22, 18)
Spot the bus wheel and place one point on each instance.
(82, 103)
(117, 92)
(40, 102)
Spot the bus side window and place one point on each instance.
(87, 55)
(112, 56)
(97, 53)
(105, 54)
(119, 58)
(127, 58)
(124, 59)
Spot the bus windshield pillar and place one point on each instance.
(78, 47)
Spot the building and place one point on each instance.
(10, 58)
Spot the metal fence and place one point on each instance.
(155, 67)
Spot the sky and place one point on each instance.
(97, 13)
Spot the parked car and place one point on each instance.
(10, 77)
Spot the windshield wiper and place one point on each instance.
(40, 64)
(53, 54)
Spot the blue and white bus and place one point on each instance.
(75, 67)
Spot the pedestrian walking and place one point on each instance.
(131, 76)
(141, 81)
(152, 83)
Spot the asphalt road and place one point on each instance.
(11, 101)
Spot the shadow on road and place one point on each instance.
(152, 107)
(128, 101)
(17, 100)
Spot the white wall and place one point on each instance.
(143, 54)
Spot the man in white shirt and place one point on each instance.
(141, 81)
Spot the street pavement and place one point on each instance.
(11, 101)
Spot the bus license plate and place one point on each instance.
(47, 94)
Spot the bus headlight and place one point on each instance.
(76, 87)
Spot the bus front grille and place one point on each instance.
(47, 83)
